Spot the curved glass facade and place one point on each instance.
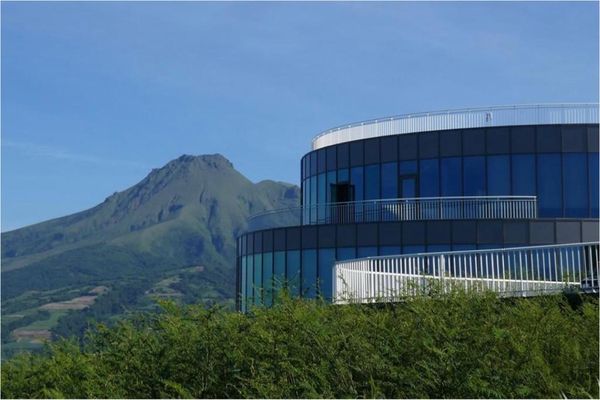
(556, 163)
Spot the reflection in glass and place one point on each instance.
(309, 273)
(293, 272)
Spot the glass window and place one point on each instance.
(463, 247)
(346, 253)
(313, 163)
(451, 176)
(309, 273)
(331, 158)
(593, 179)
(343, 176)
(331, 181)
(313, 199)
(257, 278)
(407, 167)
(356, 153)
(321, 196)
(326, 259)
(474, 176)
(278, 271)
(549, 191)
(389, 180)
(342, 155)
(413, 249)
(243, 284)
(321, 160)
(436, 248)
(429, 178)
(523, 175)
(409, 187)
(267, 280)
(575, 185)
(372, 182)
(356, 176)
(390, 250)
(250, 279)
(293, 272)
(498, 175)
(367, 252)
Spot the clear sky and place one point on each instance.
(94, 95)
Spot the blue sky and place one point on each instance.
(94, 95)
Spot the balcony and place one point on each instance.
(523, 271)
(395, 210)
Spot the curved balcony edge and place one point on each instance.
(399, 209)
(480, 117)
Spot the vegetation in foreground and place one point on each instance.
(455, 345)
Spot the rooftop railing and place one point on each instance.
(522, 271)
(402, 209)
(537, 114)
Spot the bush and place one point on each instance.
(456, 345)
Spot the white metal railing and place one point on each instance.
(406, 209)
(522, 271)
(537, 114)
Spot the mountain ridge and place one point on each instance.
(179, 217)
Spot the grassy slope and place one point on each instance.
(187, 213)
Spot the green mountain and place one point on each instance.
(171, 235)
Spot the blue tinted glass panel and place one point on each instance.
(367, 252)
(549, 186)
(429, 178)
(346, 253)
(356, 179)
(257, 278)
(474, 176)
(326, 259)
(593, 179)
(409, 187)
(321, 196)
(390, 250)
(331, 181)
(268, 278)
(413, 249)
(313, 199)
(451, 176)
(372, 182)
(293, 272)
(461, 247)
(278, 270)
(250, 279)
(523, 175)
(343, 175)
(243, 284)
(389, 180)
(575, 184)
(407, 167)
(309, 273)
(498, 173)
(436, 248)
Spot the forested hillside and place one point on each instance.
(172, 235)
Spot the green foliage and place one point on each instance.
(455, 345)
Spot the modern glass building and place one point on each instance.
(446, 181)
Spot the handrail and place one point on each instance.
(521, 271)
(475, 117)
(399, 209)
